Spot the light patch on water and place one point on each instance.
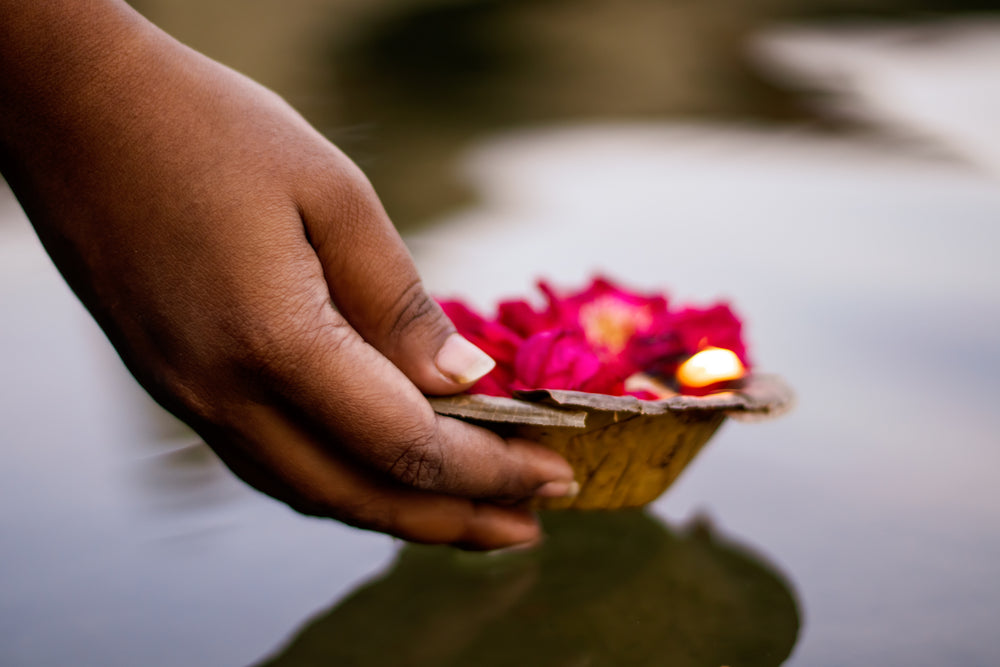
(936, 80)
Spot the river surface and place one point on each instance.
(862, 528)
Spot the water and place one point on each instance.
(867, 280)
(641, 594)
(860, 529)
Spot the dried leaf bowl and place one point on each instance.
(625, 452)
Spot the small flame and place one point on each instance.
(709, 367)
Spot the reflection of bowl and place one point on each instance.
(625, 452)
(605, 588)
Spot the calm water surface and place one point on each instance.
(861, 529)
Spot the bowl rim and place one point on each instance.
(760, 395)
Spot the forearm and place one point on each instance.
(96, 102)
(61, 63)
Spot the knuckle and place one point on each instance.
(419, 460)
(414, 311)
(349, 198)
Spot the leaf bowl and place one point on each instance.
(625, 452)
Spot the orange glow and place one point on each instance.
(710, 366)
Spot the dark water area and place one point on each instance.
(516, 139)
(607, 588)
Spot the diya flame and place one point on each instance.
(601, 337)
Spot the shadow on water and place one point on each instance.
(605, 589)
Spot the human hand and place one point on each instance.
(248, 276)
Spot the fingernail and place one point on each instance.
(461, 361)
(530, 545)
(558, 490)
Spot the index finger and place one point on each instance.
(365, 406)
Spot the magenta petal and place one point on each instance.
(532, 360)
(716, 326)
(492, 385)
(522, 318)
(556, 360)
(579, 362)
(464, 318)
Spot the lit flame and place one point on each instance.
(710, 366)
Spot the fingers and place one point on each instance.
(312, 480)
(352, 376)
(376, 287)
(470, 461)
(361, 403)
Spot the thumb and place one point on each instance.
(422, 342)
(375, 285)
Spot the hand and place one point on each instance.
(248, 276)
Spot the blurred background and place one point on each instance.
(829, 167)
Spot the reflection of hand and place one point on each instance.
(210, 230)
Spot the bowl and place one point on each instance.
(625, 452)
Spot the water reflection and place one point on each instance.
(430, 77)
(605, 589)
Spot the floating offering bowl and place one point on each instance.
(625, 451)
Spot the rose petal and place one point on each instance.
(519, 316)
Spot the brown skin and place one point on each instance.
(248, 276)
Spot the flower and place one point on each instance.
(565, 359)
(608, 315)
(593, 340)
